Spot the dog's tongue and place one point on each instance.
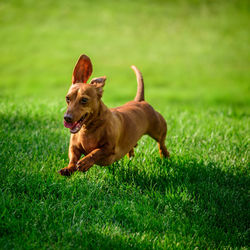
(69, 125)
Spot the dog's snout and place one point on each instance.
(68, 118)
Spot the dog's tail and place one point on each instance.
(140, 85)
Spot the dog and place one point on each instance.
(106, 135)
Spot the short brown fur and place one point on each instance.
(106, 135)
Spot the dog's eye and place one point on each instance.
(84, 100)
(67, 99)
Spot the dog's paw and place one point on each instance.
(66, 171)
(84, 165)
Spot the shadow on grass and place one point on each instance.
(214, 201)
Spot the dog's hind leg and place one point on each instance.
(162, 148)
(161, 144)
(131, 153)
(159, 132)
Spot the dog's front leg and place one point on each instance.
(93, 157)
(74, 156)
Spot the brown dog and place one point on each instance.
(105, 135)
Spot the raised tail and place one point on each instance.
(140, 85)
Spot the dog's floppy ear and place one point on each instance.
(99, 83)
(83, 70)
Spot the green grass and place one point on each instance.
(194, 56)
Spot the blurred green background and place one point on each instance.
(188, 51)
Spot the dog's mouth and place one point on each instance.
(76, 126)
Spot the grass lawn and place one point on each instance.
(195, 59)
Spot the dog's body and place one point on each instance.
(105, 135)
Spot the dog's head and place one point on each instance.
(83, 98)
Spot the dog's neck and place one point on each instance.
(97, 118)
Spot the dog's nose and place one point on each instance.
(68, 118)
